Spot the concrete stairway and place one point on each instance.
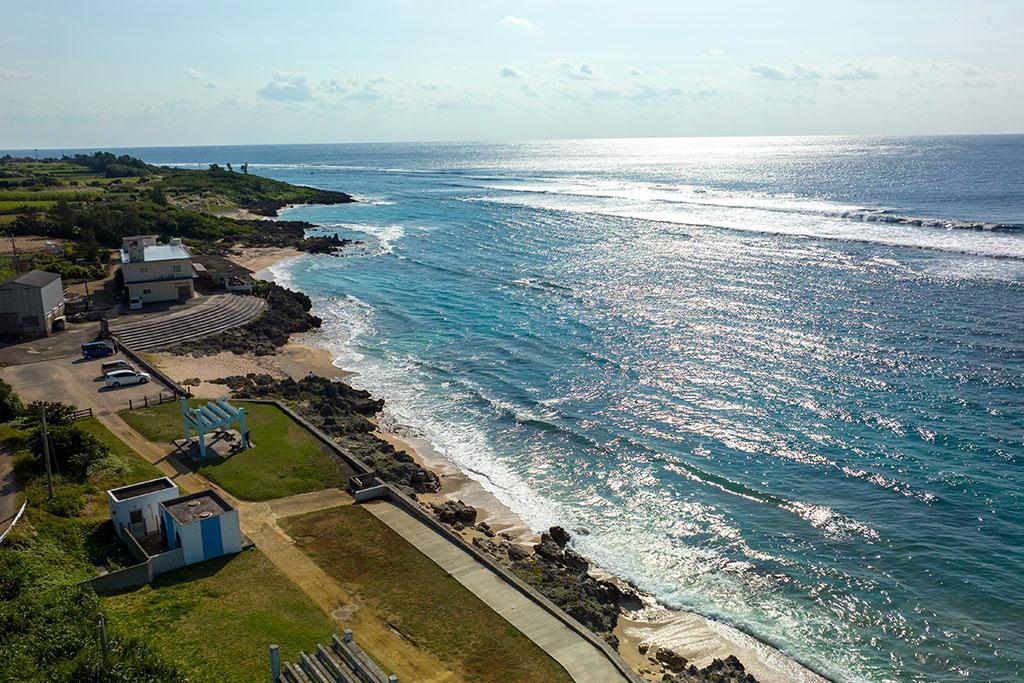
(342, 662)
(212, 315)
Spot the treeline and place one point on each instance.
(111, 166)
(105, 221)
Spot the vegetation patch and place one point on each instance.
(284, 460)
(418, 598)
(215, 620)
(48, 622)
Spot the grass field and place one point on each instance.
(285, 458)
(420, 600)
(216, 619)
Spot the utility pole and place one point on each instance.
(14, 253)
(46, 456)
(102, 623)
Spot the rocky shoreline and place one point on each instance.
(350, 417)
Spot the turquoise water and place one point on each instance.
(776, 381)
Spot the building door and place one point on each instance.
(9, 323)
(137, 524)
(184, 291)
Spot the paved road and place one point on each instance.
(9, 502)
(581, 659)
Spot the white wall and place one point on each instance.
(120, 511)
(191, 542)
(166, 290)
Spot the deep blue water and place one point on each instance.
(777, 381)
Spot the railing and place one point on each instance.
(150, 401)
(16, 518)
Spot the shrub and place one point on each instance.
(10, 404)
(57, 414)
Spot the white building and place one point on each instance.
(136, 508)
(203, 525)
(157, 272)
(30, 302)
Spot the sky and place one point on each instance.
(119, 74)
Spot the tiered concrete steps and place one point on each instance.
(342, 662)
(212, 315)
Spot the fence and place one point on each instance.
(82, 414)
(149, 401)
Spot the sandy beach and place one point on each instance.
(695, 637)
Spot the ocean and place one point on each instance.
(777, 381)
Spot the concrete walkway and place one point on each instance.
(581, 659)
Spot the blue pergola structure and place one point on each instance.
(214, 415)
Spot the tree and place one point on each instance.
(72, 448)
(230, 170)
(245, 168)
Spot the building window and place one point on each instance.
(147, 291)
(143, 270)
(176, 269)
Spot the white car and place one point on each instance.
(124, 377)
(135, 303)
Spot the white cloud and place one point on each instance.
(843, 71)
(798, 72)
(509, 71)
(287, 87)
(635, 72)
(577, 72)
(716, 52)
(851, 71)
(364, 88)
(528, 91)
(194, 73)
(14, 74)
(518, 22)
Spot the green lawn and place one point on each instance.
(418, 598)
(216, 619)
(285, 459)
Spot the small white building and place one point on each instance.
(30, 302)
(136, 508)
(203, 525)
(156, 272)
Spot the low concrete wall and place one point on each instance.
(129, 577)
(371, 493)
(155, 372)
(168, 561)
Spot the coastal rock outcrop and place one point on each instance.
(452, 511)
(728, 670)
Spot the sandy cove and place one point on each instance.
(695, 637)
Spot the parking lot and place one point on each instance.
(52, 375)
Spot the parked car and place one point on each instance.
(97, 349)
(112, 365)
(135, 303)
(119, 378)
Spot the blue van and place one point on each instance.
(96, 349)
